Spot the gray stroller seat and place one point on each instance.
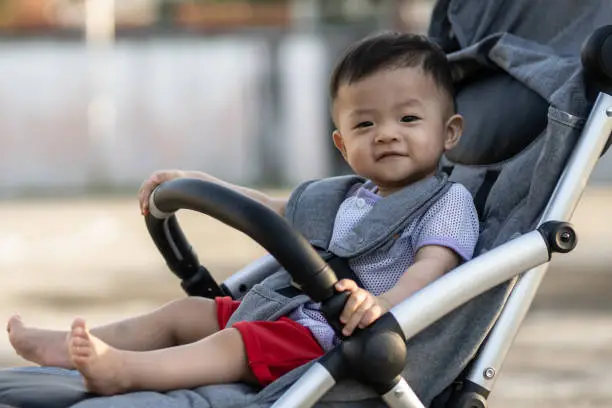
(522, 175)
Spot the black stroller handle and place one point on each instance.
(254, 219)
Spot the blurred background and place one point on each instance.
(97, 94)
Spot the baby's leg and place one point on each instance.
(179, 322)
(217, 359)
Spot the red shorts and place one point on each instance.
(272, 348)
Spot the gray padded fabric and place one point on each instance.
(492, 134)
(437, 355)
(25, 388)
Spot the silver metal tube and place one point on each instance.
(487, 365)
(156, 212)
(309, 389)
(581, 163)
(561, 207)
(242, 281)
(469, 280)
(402, 396)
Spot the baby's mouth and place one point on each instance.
(389, 154)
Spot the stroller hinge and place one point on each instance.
(559, 236)
(375, 356)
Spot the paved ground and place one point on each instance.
(93, 257)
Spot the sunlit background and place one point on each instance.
(97, 94)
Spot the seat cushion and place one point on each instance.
(40, 387)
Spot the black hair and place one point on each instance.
(392, 50)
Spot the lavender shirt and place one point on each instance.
(451, 222)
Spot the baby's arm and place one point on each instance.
(278, 205)
(431, 262)
(362, 308)
(447, 236)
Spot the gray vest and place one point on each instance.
(312, 210)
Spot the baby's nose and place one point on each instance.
(382, 137)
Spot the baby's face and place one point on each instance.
(393, 126)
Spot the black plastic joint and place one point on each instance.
(202, 284)
(332, 309)
(471, 400)
(375, 356)
(559, 236)
(470, 395)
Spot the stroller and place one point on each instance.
(442, 347)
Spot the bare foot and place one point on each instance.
(43, 347)
(100, 364)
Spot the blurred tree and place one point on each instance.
(24, 14)
(6, 12)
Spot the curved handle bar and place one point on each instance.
(196, 280)
(254, 219)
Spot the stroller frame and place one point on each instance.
(530, 252)
(376, 355)
(385, 340)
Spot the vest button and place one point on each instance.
(360, 203)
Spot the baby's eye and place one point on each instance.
(364, 124)
(409, 118)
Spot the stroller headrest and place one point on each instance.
(502, 117)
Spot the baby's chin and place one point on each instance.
(398, 182)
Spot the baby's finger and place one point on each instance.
(145, 193)
(352, 304)
(370, 316)
(346, 284)
(147, 188)
(357, 317)
(141, 197)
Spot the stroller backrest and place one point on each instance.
(525, 104)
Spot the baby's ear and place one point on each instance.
(339, 142)
(454, 129)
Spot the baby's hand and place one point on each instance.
(361, 309)
(153, 181)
